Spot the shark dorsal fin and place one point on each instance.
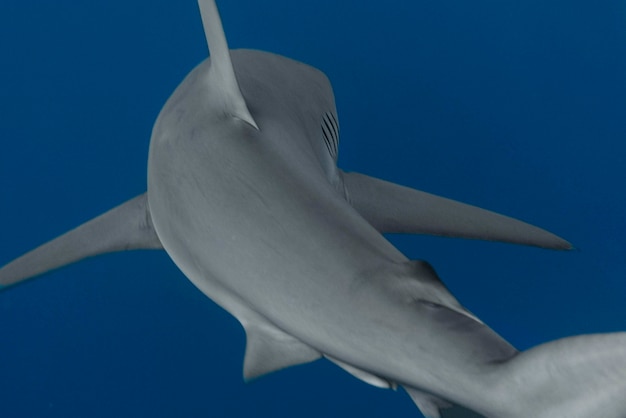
(221, 64)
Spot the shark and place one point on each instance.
(245, 196)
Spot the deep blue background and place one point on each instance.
(520, 108)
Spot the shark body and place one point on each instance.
(245, 196)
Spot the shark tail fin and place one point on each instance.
(392, 208)
(575, 377)
(125, 227)
(222, 71)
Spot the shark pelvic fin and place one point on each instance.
(434, 407)
(392, 208)
(125, 227)
(269, 349)
(428, 405)
(367, 377)
(222, 72)
(418, 272)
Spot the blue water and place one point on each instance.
(514, 107)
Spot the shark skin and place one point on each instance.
(190, 244)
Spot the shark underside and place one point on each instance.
(244, 194)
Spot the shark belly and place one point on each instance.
(256, 225)
(255, 237)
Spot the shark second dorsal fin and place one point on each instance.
(222, 72)
(269, 349)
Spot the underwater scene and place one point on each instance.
(516, 107)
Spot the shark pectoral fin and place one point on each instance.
(125, 227)
(224, 82)
(269, 349)
(367, 377)
(434, 407)
(392, 208)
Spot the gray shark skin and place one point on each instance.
(244, 195)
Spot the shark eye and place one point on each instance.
(330, 134)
